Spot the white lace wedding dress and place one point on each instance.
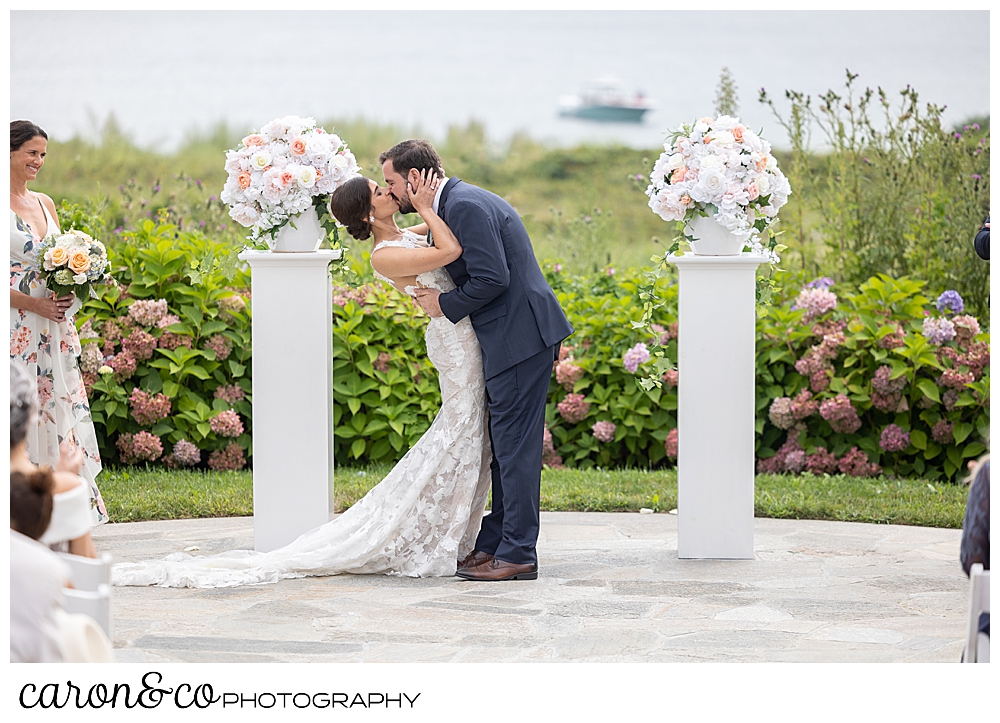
(418, 521)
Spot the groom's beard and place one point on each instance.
(404, 205)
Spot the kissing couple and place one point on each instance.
(494, 332)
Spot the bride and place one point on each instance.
(423, 518)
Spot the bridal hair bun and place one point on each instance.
(31, 502)
(350, 204)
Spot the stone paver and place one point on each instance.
(611, 589)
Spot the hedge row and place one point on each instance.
(881, 379)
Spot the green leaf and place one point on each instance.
(918, 439)
(961, 431)
(358, 448)
(929, 390)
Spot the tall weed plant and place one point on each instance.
(891, 190)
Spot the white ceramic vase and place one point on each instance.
(713, 239)
(302, 234)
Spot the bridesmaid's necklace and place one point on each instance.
(25, 200)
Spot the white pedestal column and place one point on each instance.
(715, 405)
(292, 394)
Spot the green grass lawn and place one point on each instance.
(135, 493)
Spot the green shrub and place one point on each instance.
(163, 375)
(933, 397)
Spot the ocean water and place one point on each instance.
(165, 74)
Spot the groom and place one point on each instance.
(519, 326)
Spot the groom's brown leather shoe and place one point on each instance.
(474, 558)
(496, 570)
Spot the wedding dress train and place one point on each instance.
(418, 521)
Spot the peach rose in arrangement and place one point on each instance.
(253, 140)
(298, 147)
(738, 133)
(79, 262)
(243, 180)
(286, 178)
(678, 175)
(57, 256)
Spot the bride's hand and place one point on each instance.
(422, 197)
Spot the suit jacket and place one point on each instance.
(499, 285)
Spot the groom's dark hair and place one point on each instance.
(414, 153)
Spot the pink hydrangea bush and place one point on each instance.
(635, 356)
(574, 408)
(139, 447)
(568, 374)
(146, 313)
(184, 454)
(841, 414)
(229, 457)
(549, 456)
(604, 431)
(816, 302)
(856, 464)
(230, 393)
(221, 345)
(670, 444)
(148, 409)
(226, 424)
(894, 439)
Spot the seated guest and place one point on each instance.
(71, 522)
(37, 575)
(976, 526)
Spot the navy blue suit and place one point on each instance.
(520, 325)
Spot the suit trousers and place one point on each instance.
(516, 399)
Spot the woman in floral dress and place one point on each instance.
(42, 333)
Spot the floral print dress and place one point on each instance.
(51, 351)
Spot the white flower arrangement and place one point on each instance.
(72, 262)
(721, 169)
(283, 170)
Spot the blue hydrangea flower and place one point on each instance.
(950, 302)
(823, 282)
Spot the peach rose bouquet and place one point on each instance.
(283, 169)
(72, 262)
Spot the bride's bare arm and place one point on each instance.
(397, 262)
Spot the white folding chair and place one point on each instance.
(977, 645)
(96, 604)
(91, 591)
(87, 573)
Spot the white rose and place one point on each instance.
(305, 176)
(701, 127)
(711, 185)
(260, 160)
(675, 161)
(80, 279)
(772, 164)
(763, 184)
(712, 161)
(724, 138)
(725, 123)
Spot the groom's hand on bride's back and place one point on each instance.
(428, 300)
